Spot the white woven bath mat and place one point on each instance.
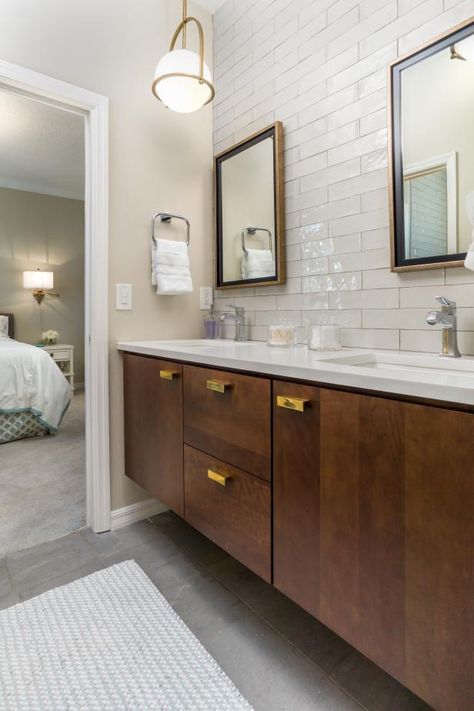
(107, 642)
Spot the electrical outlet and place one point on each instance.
(206, 298)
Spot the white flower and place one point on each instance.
(50, 336)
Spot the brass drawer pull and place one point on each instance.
(292, 403)
(217, 386)
(168, 374)
(221, 479)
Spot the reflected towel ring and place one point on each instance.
(252, 231)
(167, 217)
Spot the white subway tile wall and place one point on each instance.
(320, 68)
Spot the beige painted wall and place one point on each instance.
(158, 159)
(46, 232)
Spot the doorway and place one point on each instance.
(90, 111)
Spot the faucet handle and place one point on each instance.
(445, 301)
(238, 309)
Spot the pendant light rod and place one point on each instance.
(185, 14)
(182, 28)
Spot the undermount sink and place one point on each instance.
(405, 362)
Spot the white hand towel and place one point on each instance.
(258, 264)
(469, 261)
(170, 268)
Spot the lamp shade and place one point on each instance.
(177, 81)
(38, 280)
(466, 48)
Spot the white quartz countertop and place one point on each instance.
(396, 372)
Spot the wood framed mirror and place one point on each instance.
(431, 152)
(250, 229)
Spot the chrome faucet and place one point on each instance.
(447, 319)
(239, 318)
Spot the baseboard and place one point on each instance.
(136, 512)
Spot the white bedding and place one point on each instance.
(30, 381)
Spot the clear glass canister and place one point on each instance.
(324, 337)
(282, 335)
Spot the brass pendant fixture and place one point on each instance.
(182, 80)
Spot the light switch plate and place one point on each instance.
(123, 297)
(206, 297)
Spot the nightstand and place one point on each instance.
(63, 355)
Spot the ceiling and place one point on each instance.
(41, 147)
(211, 5)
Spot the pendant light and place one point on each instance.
(182, 80)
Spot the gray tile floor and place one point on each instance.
(279, 657)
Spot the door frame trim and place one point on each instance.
(94, 108)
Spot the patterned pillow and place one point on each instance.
(3, 326)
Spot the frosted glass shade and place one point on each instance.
(183, 93)
(38, 280)
(466, 48)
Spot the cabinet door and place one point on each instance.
(361, 524)
(439, 534)
(153, 414)
(296, 493)
(396, 539)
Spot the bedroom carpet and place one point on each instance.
(42, 482)
(107, 641)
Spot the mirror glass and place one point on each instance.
(249, 234)
(433, 153)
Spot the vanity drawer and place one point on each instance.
(228, 415)
(230, 507)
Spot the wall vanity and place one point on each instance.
(339, 483)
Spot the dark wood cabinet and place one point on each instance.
(296, 494)
(228, 415)
(359, 508)
(386, 529)
(230, 507)
(361, 524)
(153, 407)
(439, 546)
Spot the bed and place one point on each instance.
(34, 394)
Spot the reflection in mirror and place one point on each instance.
(249, 220)
(430, 195)
(432, 152)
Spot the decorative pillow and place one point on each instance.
(3, 326)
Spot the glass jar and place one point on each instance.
(282, 335)
(324, 337)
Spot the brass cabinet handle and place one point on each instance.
(292, 403)
(168, 374)
(217, 386)
(221, 479)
